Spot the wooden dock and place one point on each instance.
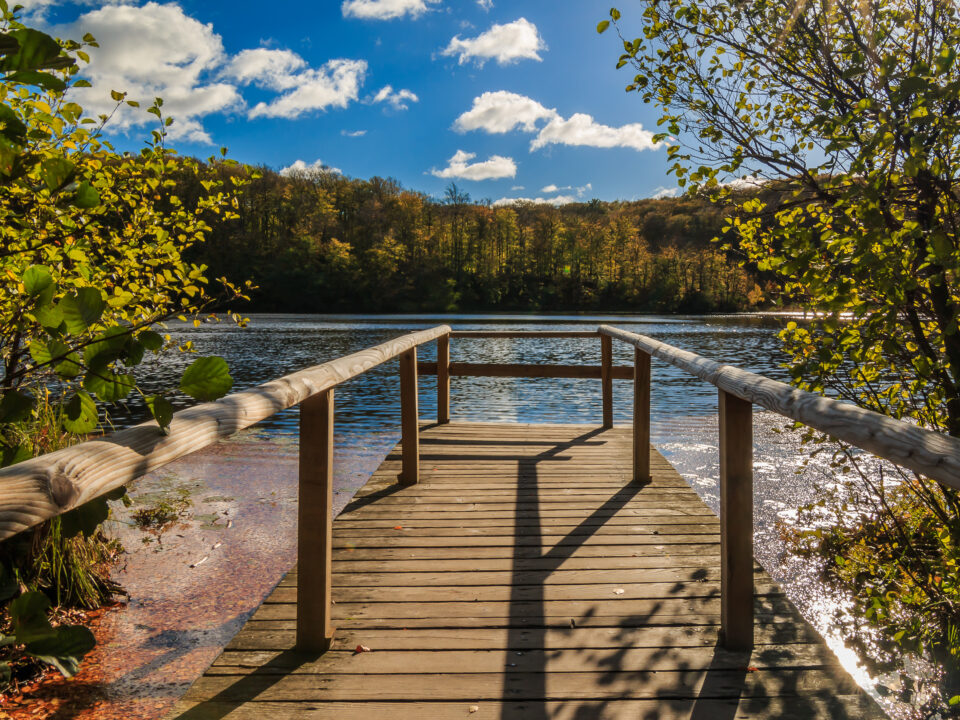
(526, 576)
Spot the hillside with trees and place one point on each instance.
(321, 242)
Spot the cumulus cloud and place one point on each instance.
(506, 44)
(397, 99)
(485, 5)
(353, 133)
(501, 112)
(549, 189)
(665, 192)
(459, 166)
(385, 9)
(266, 68)
(335, 84)
(582, 129)
(299, 167)
(154, 51)
(555, 201)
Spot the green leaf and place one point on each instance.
(107, 348)
(151, 340)
(87, 196)
(11, 455)
(85, 519)
(65, 648)
(162, 411)
(29, 615)
(80, 414)
(15, 406)
(56, 172)
(207, 378)
(40, 79)
(82, 309)
(108, 385)
(13, 127)
(36, 50)
(37, 280)
(602, 26)
(50, 317)
(614, 13)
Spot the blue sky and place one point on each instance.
(509, 99)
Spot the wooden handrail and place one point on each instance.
(458, 369)
(44, 487)
(928, 453)
(520, 334)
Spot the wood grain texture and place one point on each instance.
(44, 487)
(641, 416)
(520, 334)
(606, 379)
(409, 419)
(928, 453)
(575, 597)
(460, 369)
(315, 523)
(443, 379)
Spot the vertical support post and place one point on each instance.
(443, 379)
(641, 415)
(315, 524)
(736, 522)
(606, 378)
(409, 419)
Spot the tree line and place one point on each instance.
(317, 241)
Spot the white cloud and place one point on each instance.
(459, 166)
(395, 98)
(274, 69)
(517, 187)
(485, 4)
(353, 133)
(664, 192)
(501, 112)
(508, 43)
(584, 189)
(549, 189)
(153, 51)
(582, 129)
(747, 182)
(335, 84)
(555, 201)
(385, 9)
(299, 167)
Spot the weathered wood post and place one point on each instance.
(443, 379)
(641, 415)
(736, 522)
(409, 424)
(315, 524)
(606, 378)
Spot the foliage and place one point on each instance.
(319, 242)
(848, 114)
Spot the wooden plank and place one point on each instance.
(527, 593)
(521, 334)
(462, 369)
(443, 379)
(315, 524)
(409, 420)
(606, 379)
(810, 707)
(641, 416)
(736, 520)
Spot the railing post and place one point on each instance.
(736, 522)
(641, 415)
(409, 420)
(606, 378)
(315, 524)
(443, 379)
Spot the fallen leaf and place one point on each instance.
(619, 591)
(751, 669)
(474, 708)
(399, 527)
(361, 649)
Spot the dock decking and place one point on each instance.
(526, 576)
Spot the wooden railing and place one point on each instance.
(47, 486)
(931, 454)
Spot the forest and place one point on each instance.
(317, 241)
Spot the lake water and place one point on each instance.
(683, 408)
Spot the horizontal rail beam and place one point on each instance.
(44, 487)
(928, 453)
(528, 371)
(525, 334)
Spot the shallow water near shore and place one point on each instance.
(192, 587)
